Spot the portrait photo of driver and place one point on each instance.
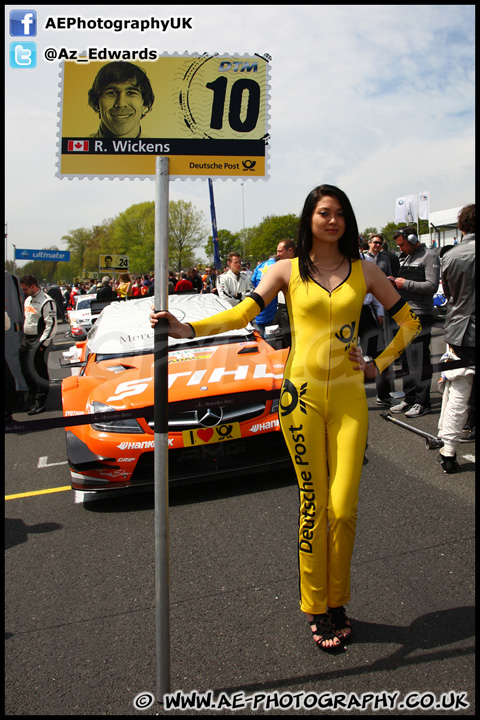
(122, 95)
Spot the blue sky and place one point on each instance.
(378, 100)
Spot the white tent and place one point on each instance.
(443, 218)
(443, 227)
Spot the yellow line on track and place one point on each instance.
(38, 492)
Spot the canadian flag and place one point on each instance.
(78, 145)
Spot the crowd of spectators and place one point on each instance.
(418, 285)
(128, 286)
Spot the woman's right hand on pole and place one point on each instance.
(176, 329)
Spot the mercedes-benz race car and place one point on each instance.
(80, 317)
(223, 398)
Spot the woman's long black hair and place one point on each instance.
(348, 243)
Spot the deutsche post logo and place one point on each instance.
(290, 398)
(346, 334)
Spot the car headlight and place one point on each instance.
(114, 426)
(77, 330)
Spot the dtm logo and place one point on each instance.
(23, 23)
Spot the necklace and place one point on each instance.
(330, 269)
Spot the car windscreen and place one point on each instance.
(83, 303)
(196, 342)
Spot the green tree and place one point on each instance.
(78, 243)
(9, 267)
(227, 242)
(387, 232)
(263, 239)
(133, 234)
(423, 228)
(390, 229)
(187, 230)
(101, 243)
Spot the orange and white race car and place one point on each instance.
(223, 399)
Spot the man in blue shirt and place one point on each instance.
(276, 312)
(266, 316)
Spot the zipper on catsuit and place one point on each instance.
(330, 320)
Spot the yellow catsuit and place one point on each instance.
(324, 419)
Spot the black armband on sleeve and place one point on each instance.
(395, 308)
(258, 299)
(192, 329)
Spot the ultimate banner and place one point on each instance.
(208, 114)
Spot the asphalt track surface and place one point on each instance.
(80, 588)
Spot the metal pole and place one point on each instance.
(162, 603)
(432, 441)
(243, 214)
(216, 251)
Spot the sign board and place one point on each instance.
(208, 114)
(56, 255)
(113, 262)
(90, 275)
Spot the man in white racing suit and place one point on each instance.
(40, 326)
(234, 285)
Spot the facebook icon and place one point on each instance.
(23, 23)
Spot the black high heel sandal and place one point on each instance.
(325, 631)
(340, 622)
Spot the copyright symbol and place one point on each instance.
(143, 701)
(50, 54)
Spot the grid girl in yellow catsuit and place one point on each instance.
(324, 419)
(323, 408)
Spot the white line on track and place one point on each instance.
(42, 462)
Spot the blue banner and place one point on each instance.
(58, 255)
(216, 251)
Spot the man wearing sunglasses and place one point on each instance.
(375, 251)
